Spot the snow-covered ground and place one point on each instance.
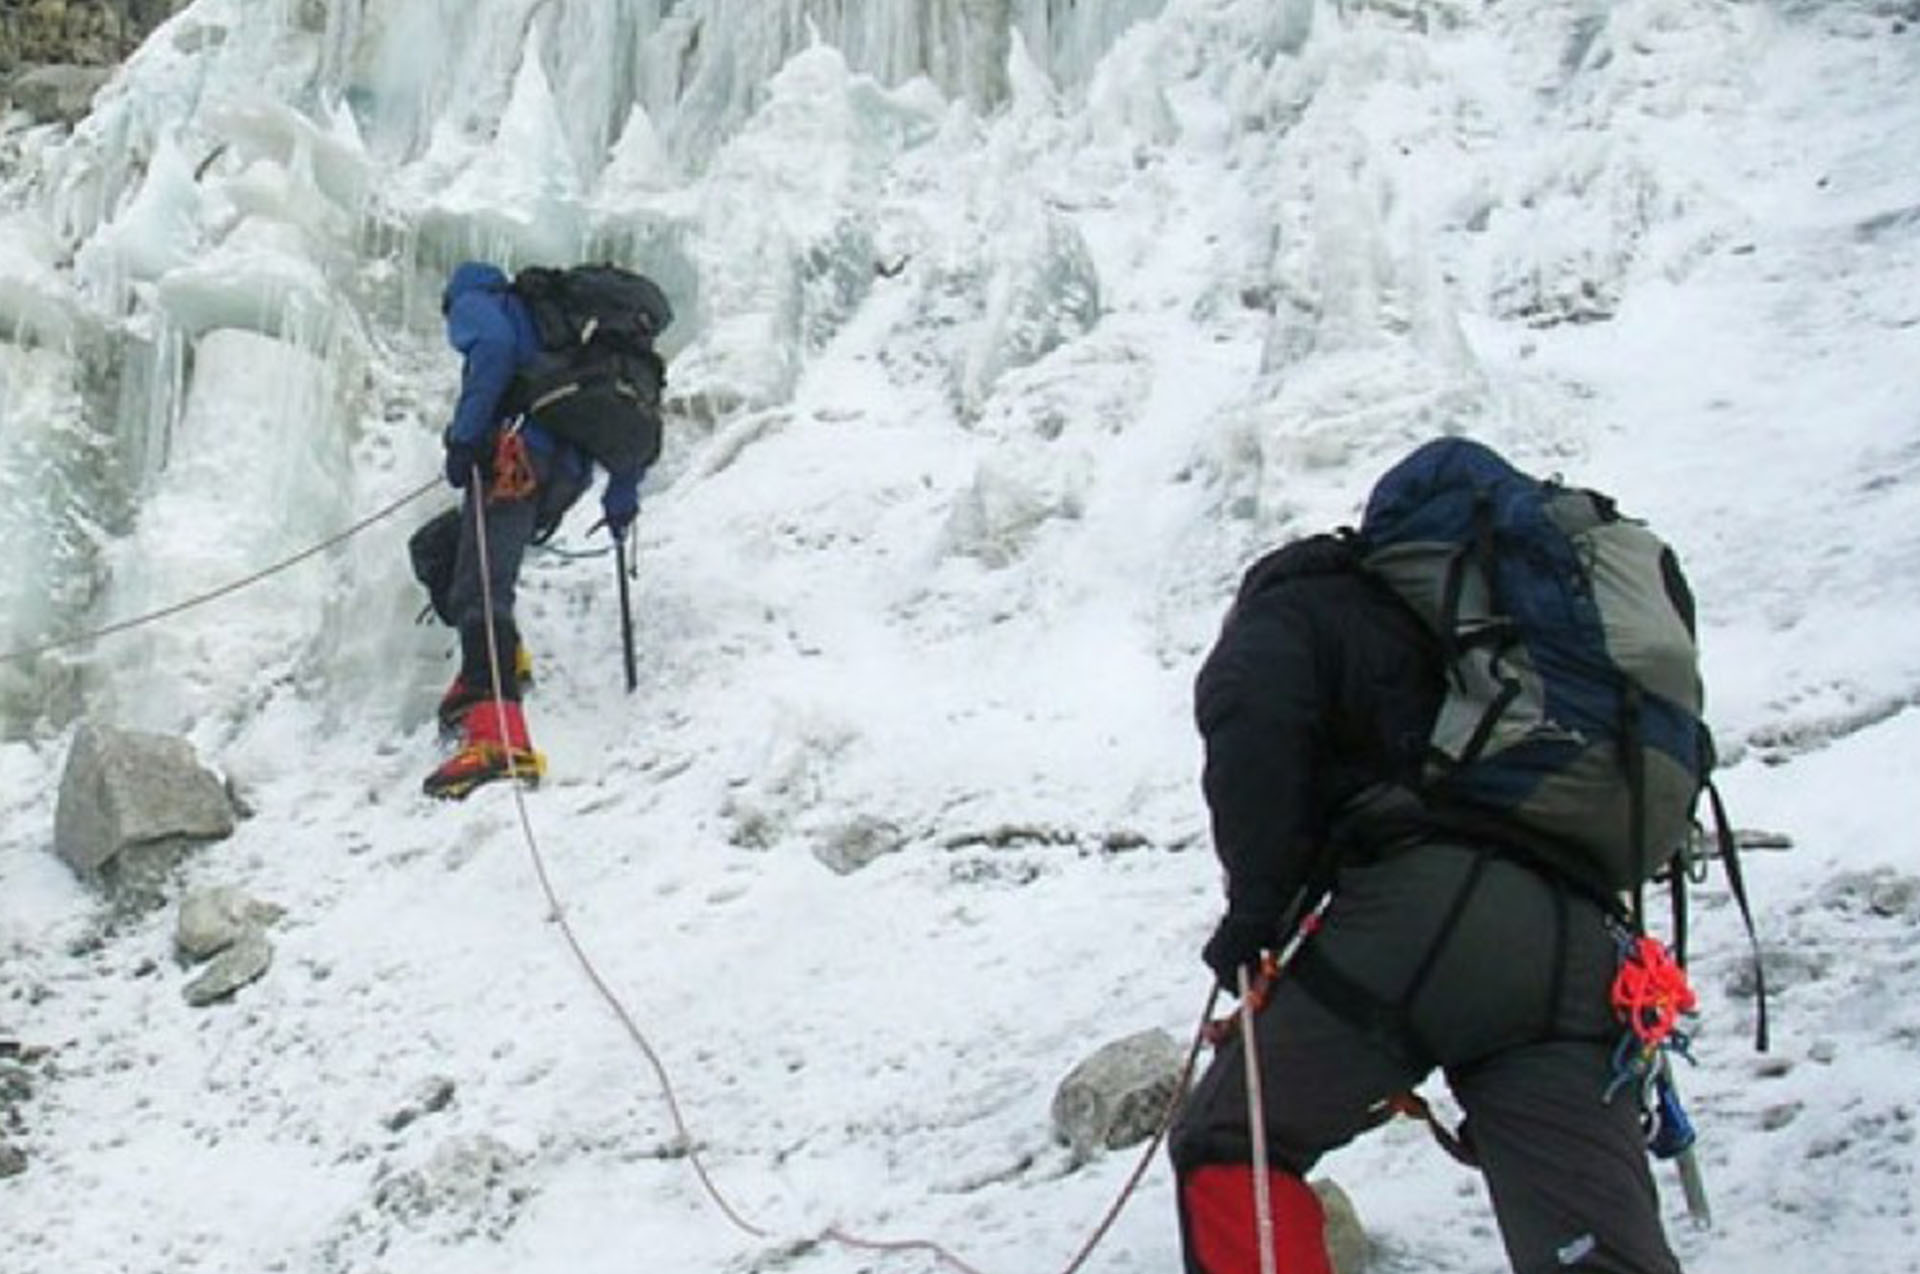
(930, 563)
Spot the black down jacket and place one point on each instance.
(1319, 692)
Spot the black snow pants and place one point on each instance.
(510, 526)
(1511, 1004)
(493, 576)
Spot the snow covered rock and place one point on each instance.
(211, 920)
(1117, 1097)
(246, 960)
(858, 842)
(131, 804)
(1346, 1241)
(226, 928)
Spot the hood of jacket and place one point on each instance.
(471, 276)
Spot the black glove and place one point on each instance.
(1236, 943)
(462, 459)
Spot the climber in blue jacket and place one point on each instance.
(518, 481)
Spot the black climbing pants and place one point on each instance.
(510, 526)
(1506, 993)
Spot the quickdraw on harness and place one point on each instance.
(1650, 995)
(513, 474)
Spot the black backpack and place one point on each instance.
(597, 381)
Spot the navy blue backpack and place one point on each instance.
(1571, 724)
(1572, 713)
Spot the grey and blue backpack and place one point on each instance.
(1572, 716)
(1573, 700)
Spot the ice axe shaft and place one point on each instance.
(626, 611)
(1694, 1187)
(1674, 1138)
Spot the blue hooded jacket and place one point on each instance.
(493, 330)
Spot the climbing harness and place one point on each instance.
(1253, 998)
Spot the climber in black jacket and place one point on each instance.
(1436, 949)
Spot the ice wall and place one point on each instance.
(695, 70)
(251, 226)
(257, 474)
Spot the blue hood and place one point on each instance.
(471, 276)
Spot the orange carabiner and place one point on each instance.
(513, 475)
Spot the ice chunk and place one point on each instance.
(261, 277)
(35, 302)
(328, 160)
(639, 165)
(55, 478)
(158, 229)
(519, 199)
(776, 285)
(1069, 41)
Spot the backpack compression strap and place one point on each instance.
(1737, 885)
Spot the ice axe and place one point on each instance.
(626, 610)
(1673, 1137)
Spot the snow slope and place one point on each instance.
(929, 564)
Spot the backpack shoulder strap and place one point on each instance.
(541, 290)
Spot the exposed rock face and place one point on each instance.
(57, 92)
(55, 53)
(78, 32)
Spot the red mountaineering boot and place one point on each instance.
(495, 746)
(461, 695)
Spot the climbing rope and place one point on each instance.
(557, 914)
(1651, 992)
(166, 612)
(683, 1132)
(1256, 1125)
